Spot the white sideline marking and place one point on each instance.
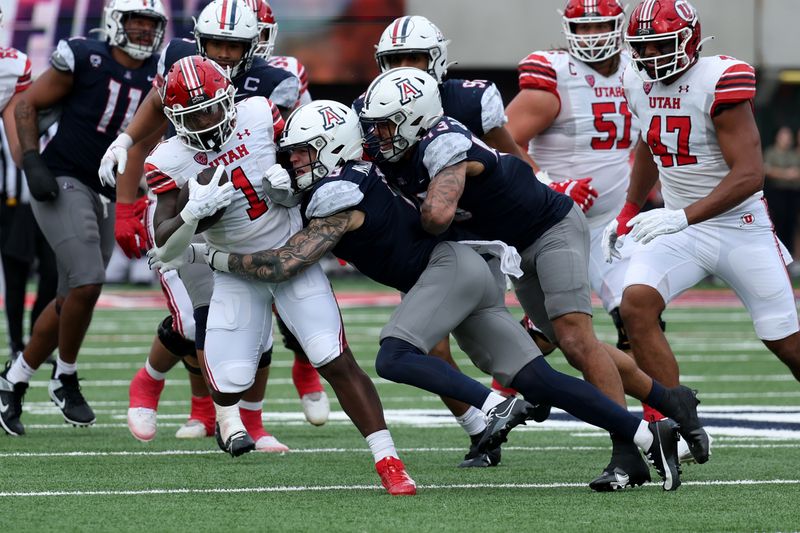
(325, 488)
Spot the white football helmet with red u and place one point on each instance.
(595, 47)
(198, 101)
(228, 20)
(329, 131)
(414, 35)
(117, 12)
(403, 101)
(267, 27)
(674, 28)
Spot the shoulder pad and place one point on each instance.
(63, 58)
(332, 197)
(493, 112)
(287, 92)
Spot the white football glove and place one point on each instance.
(611, 242)
(114, 160)
(216, 259)
(194, 253)
(205, 200)
(278, 186)
(648, 225)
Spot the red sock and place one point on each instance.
(305, 376)
(505, 391)
(651, 415)
(203, 410)
(144, 391)
(253, 423)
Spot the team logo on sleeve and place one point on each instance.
(590, 80)
(647, 87)
(407, 91)
(746, 219)
(95, 60)
(330, 118)
(201, 158)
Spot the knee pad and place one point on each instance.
(172, 340)
(230, 377)
(191, 368)
(266, 359)
(200, 321)
(290, 342)
(623, 343)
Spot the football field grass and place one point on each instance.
(62, 478)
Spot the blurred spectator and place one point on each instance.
(782, 186)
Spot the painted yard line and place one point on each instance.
(295, 451)
(329, 488)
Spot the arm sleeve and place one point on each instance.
(493, 114)
(286, 93)
(536, 72)
(445, 150)
(157, 180)
(63, 58)
(334, 197)
(736, 85)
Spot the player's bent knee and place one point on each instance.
(389, 362)
(230, 377)
(190, 367)
(173, 341)
(323, 349)
(623, 342)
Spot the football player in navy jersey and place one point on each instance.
(506, 202)
(350, 210)
(226, 31)
(99, 85)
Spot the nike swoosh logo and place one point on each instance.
(150, 78)
(3, 406)
(58, 402)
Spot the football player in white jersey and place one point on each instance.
(701, 141)
(212, 131)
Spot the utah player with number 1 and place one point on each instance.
(99, 84)
(213, 131)
(702, 143)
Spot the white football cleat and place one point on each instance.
(685, 456)
(316, 407)
(192, 429)
(142, 423)
(269, 444)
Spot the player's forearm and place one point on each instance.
(734, 189)
(644, 175)
(128, 182)
(270, 266)
(439, 208)
(27, 126)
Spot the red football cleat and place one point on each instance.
(395, 478)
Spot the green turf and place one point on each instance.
(545, 470)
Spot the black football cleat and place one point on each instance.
(65, 392)
(501, 419)
(478, 459)
(11, 397)
(663, 453)
(540, 412)
(683, 402)
(626, 469)
(239, 443)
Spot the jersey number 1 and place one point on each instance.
(603, 125)
(134, 96)
(240, 182)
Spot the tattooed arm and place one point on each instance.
(49, 89)
(302, 250)
(444, 191)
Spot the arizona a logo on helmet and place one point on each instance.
(407, 91)
(330, 118)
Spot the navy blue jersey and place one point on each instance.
(505, 201)
(390, 247)
(475, 103)
(101, 103)
(280, 86)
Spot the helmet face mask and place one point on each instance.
(414, 35)
(664, 38)
(232, 21)
(318, 138)
(267, 28)
(199, 102)
(119, 21)
(595, 46)
(400, 106)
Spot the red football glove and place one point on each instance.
(580, 191)
(129, 228)
(629, 210)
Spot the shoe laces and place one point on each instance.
(395, 471)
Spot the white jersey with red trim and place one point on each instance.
(593, 133)
(678, 127)
(293, 66)
(251, 222)
(15, 74)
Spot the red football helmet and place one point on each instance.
(198, 101)
(267, 27)
(673, 27)
(593, 47)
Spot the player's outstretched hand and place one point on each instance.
(648, 225)
(611, 242)
(205, 200)
(41, 182)
(114, 160)
(278, 186)
(580, 190)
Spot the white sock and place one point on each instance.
(473, 421)
(643, 437)
(381, 445)
(229, 420)
(65, 368)
(251, 406)
(155, 374)
(20, 371)
(492, 400)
